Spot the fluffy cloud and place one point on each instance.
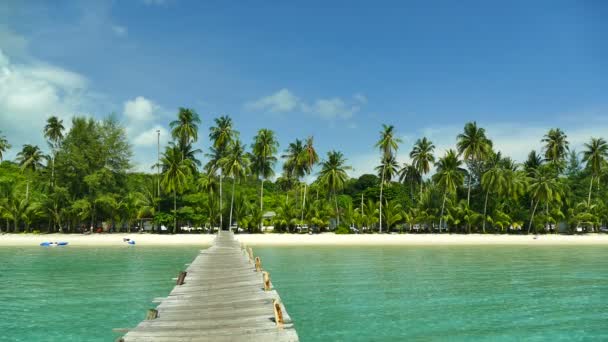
(280, 102)
(149, 137)
(139, 110)
(29, 93)
(284, 101)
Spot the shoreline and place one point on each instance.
(324, 239)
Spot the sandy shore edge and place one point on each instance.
(328, 239)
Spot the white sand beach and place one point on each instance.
(328, 239)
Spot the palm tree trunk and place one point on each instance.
(174, 211)
(469, 191)
(445, 195)
(231, 203)
(303, 202)
(381, 188)
(262, 203)
(337, 212)
(485, 207)
(590, 187)
(532, 217)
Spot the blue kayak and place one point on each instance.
(131, 242)
(53, 244)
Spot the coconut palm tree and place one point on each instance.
(31, 158)
(294, 167)
(533, 162)
(494, 180)
(449, 176)
(595, 154)
(544, 187)
(263, 149)
(53, 132)
(388, 145)
(222, 135)
(422, 157)
(309, 158)
(409, 174)
(185, 129)
(392, 213)
(236, 165)
(390, 167)
(333, 175)
(473, 145)
(4, 145)
(556, 147)
(176, 171)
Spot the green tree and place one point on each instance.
(409, 174)
(449, 176)
(222, 135)
(236, 164)
(53, 132)
(388, 145)
(595, 155)
(185, 129)
(176, 172)
(473, 146)
(309, 158)
(423, 157)
(333, 175)
(544, 187)
(556, 147)
(263, 160)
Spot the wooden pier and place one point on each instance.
(224, 295)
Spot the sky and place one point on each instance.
(334, 70)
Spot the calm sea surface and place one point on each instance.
(332, 293)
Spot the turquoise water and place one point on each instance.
(81, 294)
(443, 293)
(332, 293)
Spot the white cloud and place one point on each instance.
(30, 93)
(334, 108)
(139, 110)
(118, 30)
(280, 102)
(149, 137)
(284, 101)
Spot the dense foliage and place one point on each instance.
(86, 182)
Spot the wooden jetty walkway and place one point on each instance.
(224, 295)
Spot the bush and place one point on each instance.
(343, 229)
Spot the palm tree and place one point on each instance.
(595, 154)
(222, 135)
(333, 175)
(236, 164)
(422, 157)
(392, 213)
(533, 162)
(410, 174)
(473, 145)
(308, 158)
(176, 171)
(185, 129)
(53, 131)
(556, 147)
(4, 145)
(388, 145)
(294, 166)
(263, 149)
(30, 158)
(449, 176)
(544, 187)
(493, 181)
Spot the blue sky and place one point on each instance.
(335, 70)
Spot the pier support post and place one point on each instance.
(181, 278)
(266, 276)
(250, 252)
(152, 314)
(278, 313)
(258, 264)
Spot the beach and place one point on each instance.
(324, 239)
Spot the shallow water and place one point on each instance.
(81, 294)
(443, 293)
(332, 293)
